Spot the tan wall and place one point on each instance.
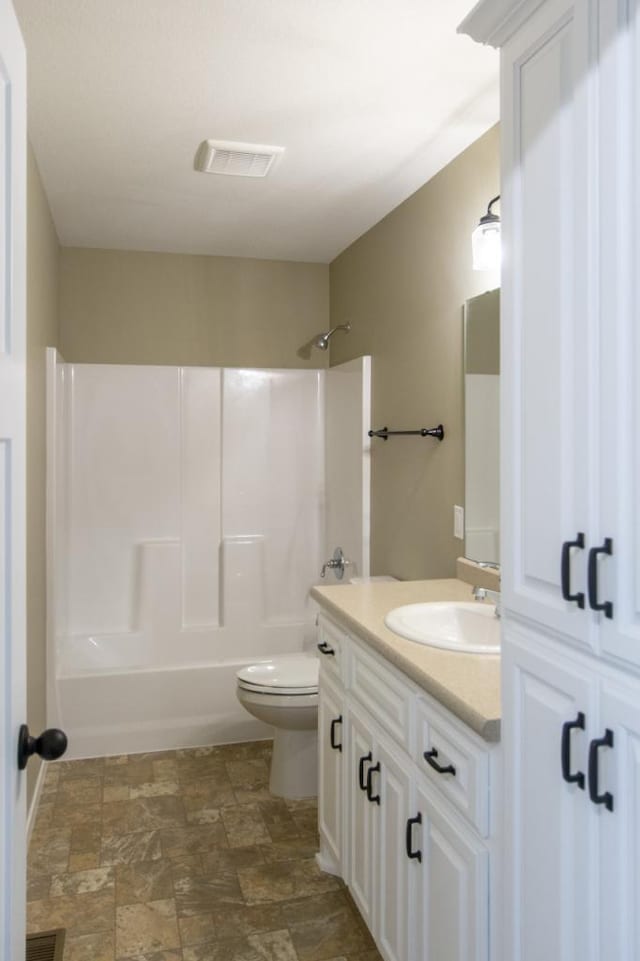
(42, 331)
(402, 285)
(125, 307)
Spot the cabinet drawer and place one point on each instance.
(331, 648)
(382, 693)
(464, 780)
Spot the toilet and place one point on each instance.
(283, 692)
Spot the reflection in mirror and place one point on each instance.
(482, 427)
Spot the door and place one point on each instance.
(12, 480)
(362, 865)
(332, 756)
(453, 909)
(618, 573)
(549, 830)
(547, 437)
(393, 895)
(619, 775)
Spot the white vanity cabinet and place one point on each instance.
(416, 831)
(570, 449)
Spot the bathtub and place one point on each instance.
(131, 693)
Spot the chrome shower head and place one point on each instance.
(322, 340)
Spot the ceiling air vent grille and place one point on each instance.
(236, 159)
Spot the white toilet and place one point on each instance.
(283, 692)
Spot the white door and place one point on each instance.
(547, 438)
(12, 480)
(618, 774)
(393, 786)
(363, 854)
(550, 835)
(332, 756)
(618, 573)
(453, 910)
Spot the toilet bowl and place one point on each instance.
(283, 692)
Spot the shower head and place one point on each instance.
(322, 340)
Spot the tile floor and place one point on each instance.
(185, 856)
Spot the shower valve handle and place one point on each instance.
(337, 563)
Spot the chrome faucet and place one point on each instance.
(337, 564)
(483, 593)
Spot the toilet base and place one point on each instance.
(294, 764)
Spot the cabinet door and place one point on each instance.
(619, 348)
(331, 754)
(453, 910)
(394, 897)
(549, 823)
(548, 306)
(362, 841)
(619, 774)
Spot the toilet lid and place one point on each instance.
(292, 674)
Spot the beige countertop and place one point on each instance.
(467, 684)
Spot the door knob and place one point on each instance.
(50, 745)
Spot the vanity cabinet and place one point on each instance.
(415, 839)
(570, 442)
(332, 747)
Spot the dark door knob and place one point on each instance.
(50, 745)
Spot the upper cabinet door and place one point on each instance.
(550, 305)
(618, 578)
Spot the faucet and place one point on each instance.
(337, 563)
(483, 593)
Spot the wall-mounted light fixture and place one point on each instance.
(485, 240)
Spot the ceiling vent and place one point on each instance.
(236, 159)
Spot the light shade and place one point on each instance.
(485, 241)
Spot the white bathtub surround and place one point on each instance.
(186, 526)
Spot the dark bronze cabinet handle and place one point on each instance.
(325, 648)
(430, 758)
(565, 571)
(605, 606)
(411, 854)
(361, 778)
(594, 754)
(375, 798)
(565, 751)
(332, 733)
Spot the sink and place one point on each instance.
(468, 628)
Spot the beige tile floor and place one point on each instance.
(185, 856)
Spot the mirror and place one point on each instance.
(482, 427)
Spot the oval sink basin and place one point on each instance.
(468, 628)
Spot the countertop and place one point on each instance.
(467, 684)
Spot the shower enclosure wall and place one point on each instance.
(188, 516)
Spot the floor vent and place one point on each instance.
(47, 946)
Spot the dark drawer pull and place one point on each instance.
(594, 748)
(411, 854)
(565, 751)
(332, 733)
(375, 798)
(565, 571)
(325, 648)
(605, 606)
(361, 778)
(430, 758)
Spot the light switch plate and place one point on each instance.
(458, 522)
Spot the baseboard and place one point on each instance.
(328, 865)
(35, 800)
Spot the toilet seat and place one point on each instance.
(290, 676)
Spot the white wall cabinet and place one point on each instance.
(570, 441)
(416, 838)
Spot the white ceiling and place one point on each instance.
(369, 97)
